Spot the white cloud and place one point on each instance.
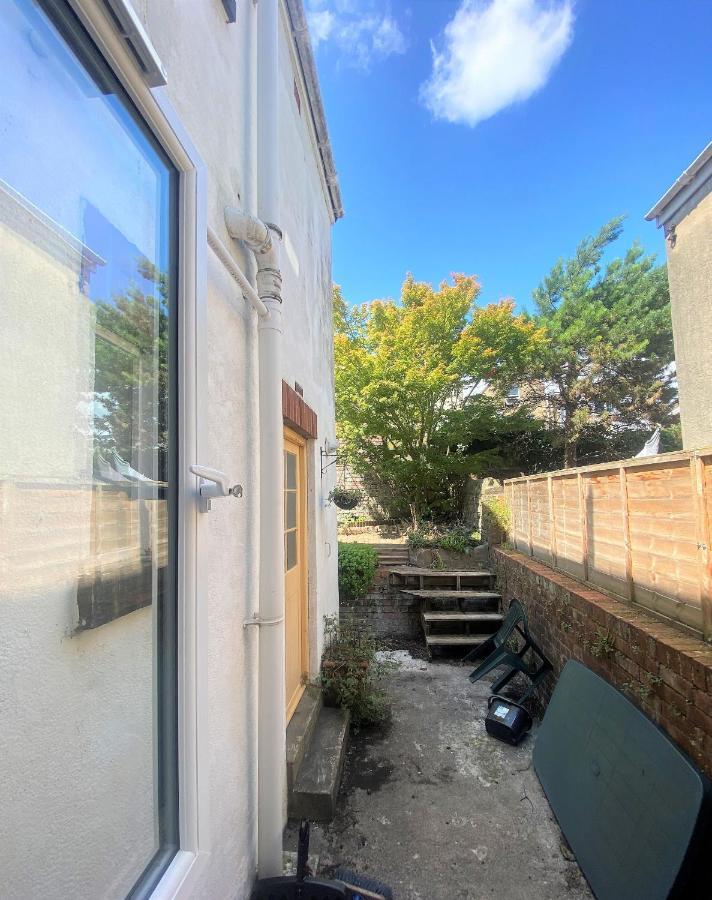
(495, 53)
(360, 31)
(321, 24)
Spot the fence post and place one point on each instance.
(552, 526)
(704, 552)
(529, 516)
(583, 521)
(627, 549)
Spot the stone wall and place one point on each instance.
(664, 670)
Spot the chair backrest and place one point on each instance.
(515, 616)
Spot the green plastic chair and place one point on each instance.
(495, 652)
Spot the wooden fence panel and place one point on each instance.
(540, 518)
(604, 521)
(663, 540)
(567, 516)
(520, 517)
(637, 528)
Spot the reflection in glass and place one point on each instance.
(290, 550)
(290, 470)
(290, 509)
(87, 469)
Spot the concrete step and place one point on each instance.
(317, 784)
(300, 731)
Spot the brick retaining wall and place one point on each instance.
(664, 670)
(390, 613)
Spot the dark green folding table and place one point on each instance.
(633, 807)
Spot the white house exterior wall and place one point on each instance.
(210, 76)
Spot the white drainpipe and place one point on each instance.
(263, 240)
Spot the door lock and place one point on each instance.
(214, 483)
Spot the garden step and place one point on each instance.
(300, 730)
(446, 594)
(418, 571)
(317, 785)
(451, 640)
(462, 617)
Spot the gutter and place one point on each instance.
(300, 35)
(682, 189)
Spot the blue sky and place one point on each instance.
(490, 137)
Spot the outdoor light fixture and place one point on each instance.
(328, 451)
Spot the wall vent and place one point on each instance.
(129, 26)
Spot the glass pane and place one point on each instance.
(290, 470)
(87, 459)
(290, 550)
(290, 509)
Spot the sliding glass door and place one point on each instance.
(88, 460)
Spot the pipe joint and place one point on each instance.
(269, 284)
(246, 228)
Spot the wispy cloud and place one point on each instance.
(495, 53)
(360, 31)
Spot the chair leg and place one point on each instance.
(503, 680)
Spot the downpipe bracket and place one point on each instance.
(256, 619)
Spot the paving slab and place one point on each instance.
(437, 809)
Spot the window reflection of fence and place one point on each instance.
(639, 528)
(110, 541)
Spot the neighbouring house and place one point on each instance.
(685, 214)
(167, 552)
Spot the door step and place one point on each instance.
(316, 785)
(300, 730)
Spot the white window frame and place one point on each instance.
(180, 877)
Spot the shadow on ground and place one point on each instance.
(439, 810)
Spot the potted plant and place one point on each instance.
(345, 498)
(352, 673)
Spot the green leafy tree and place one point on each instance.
(605, 368)
(408, 378)
(131, 355)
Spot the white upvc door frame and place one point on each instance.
(179, 880)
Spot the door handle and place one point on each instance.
(214, 483)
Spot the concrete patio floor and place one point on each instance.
(439, 810)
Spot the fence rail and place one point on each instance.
(638, 528)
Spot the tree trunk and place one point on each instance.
(414, 515)
(570, 454)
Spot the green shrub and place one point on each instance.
(496, 518)
(417, 539)
(357, 569)
(351, 674)
(458, 539)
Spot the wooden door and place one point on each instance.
(295, 569)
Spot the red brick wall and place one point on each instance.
(296, 414)
(664, 670)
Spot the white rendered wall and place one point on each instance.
(209, 88)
